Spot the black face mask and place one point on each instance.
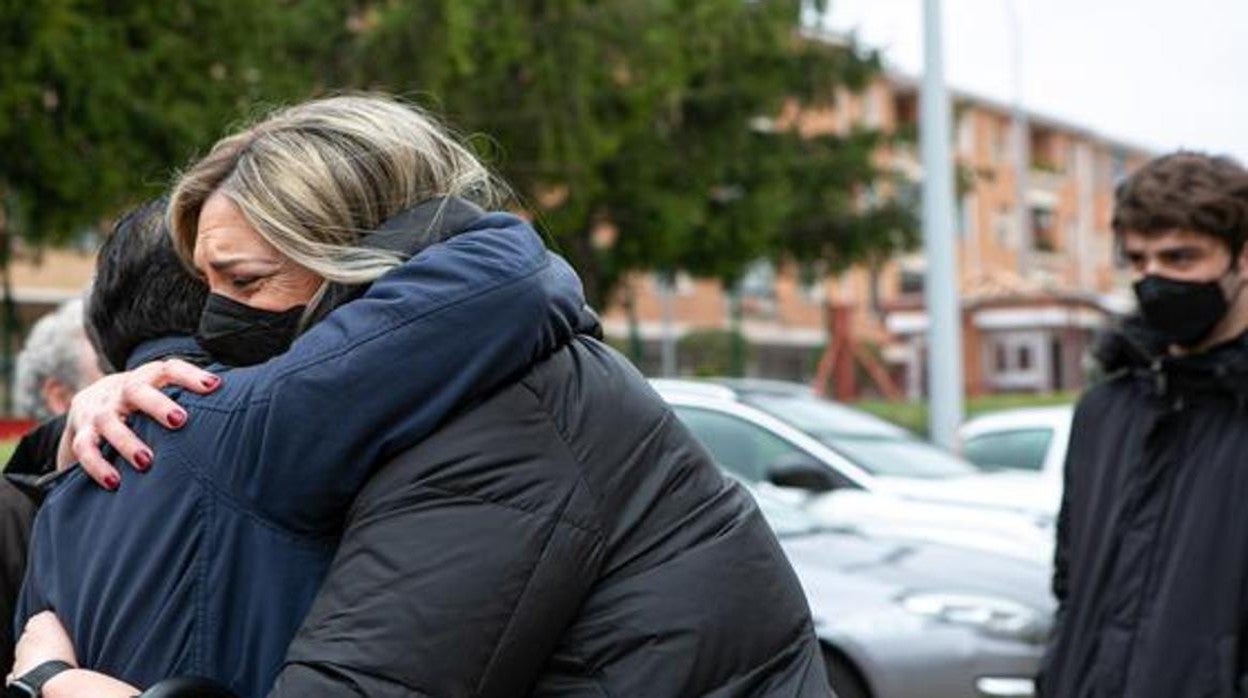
(1181, 312)
(237, 334)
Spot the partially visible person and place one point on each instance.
(54, 364)
(140, 292)
(1151, 573)
(17, 511)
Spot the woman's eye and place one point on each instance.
(243, 281)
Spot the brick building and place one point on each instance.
(1034, 287)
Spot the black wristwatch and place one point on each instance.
(30, 684)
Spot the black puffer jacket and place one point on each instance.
(35, 455)
(17, 511)
(1152, 560)
(566, 537)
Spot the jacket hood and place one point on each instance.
(1132, 347)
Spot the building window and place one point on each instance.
(909, 195)
(1000, 140)
(912, 282)
(1117, 166)
(757, 290)
(1024, 358)
(813, 290)
(684, 284)
(906, 109)
(1046, 154)
(966, 135)
(1015, 360)
(759, 281)
(1003, 226)
(871, 108)
(1044, 229)
(1104, 177)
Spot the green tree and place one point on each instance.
(100, 101)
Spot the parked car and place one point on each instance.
(1030, 440)
(901, 618)
(851, 468)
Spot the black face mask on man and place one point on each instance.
(1182, 312)
(237, 334)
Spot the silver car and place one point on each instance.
(911, 619)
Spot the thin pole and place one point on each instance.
(944, 322)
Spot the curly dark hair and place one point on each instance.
(1186, 191)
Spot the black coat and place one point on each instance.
(1152, 558)
(17, 511)
(566, 537)
(35, 455)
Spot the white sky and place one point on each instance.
(1162, 74)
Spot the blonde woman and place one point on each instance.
(559, 534)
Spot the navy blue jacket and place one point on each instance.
(207, 564)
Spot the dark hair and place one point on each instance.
(141, 289)
(1186, 191)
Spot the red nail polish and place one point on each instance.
(211, 382)
(143, 460)
(177, 418)
(111, 481)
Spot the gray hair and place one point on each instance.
(314, 178)
(53, 349)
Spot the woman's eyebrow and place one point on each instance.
(231, 262)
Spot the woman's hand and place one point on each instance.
(99, 411)
(43, 640)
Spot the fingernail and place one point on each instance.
(112, 481)
(143, 460)
(177, 418)
(211, 382)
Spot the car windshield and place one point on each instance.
(873, 444)
(1010, 449)
(820, 417)
(903, 457)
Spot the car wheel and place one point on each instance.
(846, 681)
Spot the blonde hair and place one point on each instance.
(314, 178)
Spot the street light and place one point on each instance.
(944, 327)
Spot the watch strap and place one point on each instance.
(34, 679)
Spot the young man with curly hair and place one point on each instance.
(1152, 557)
